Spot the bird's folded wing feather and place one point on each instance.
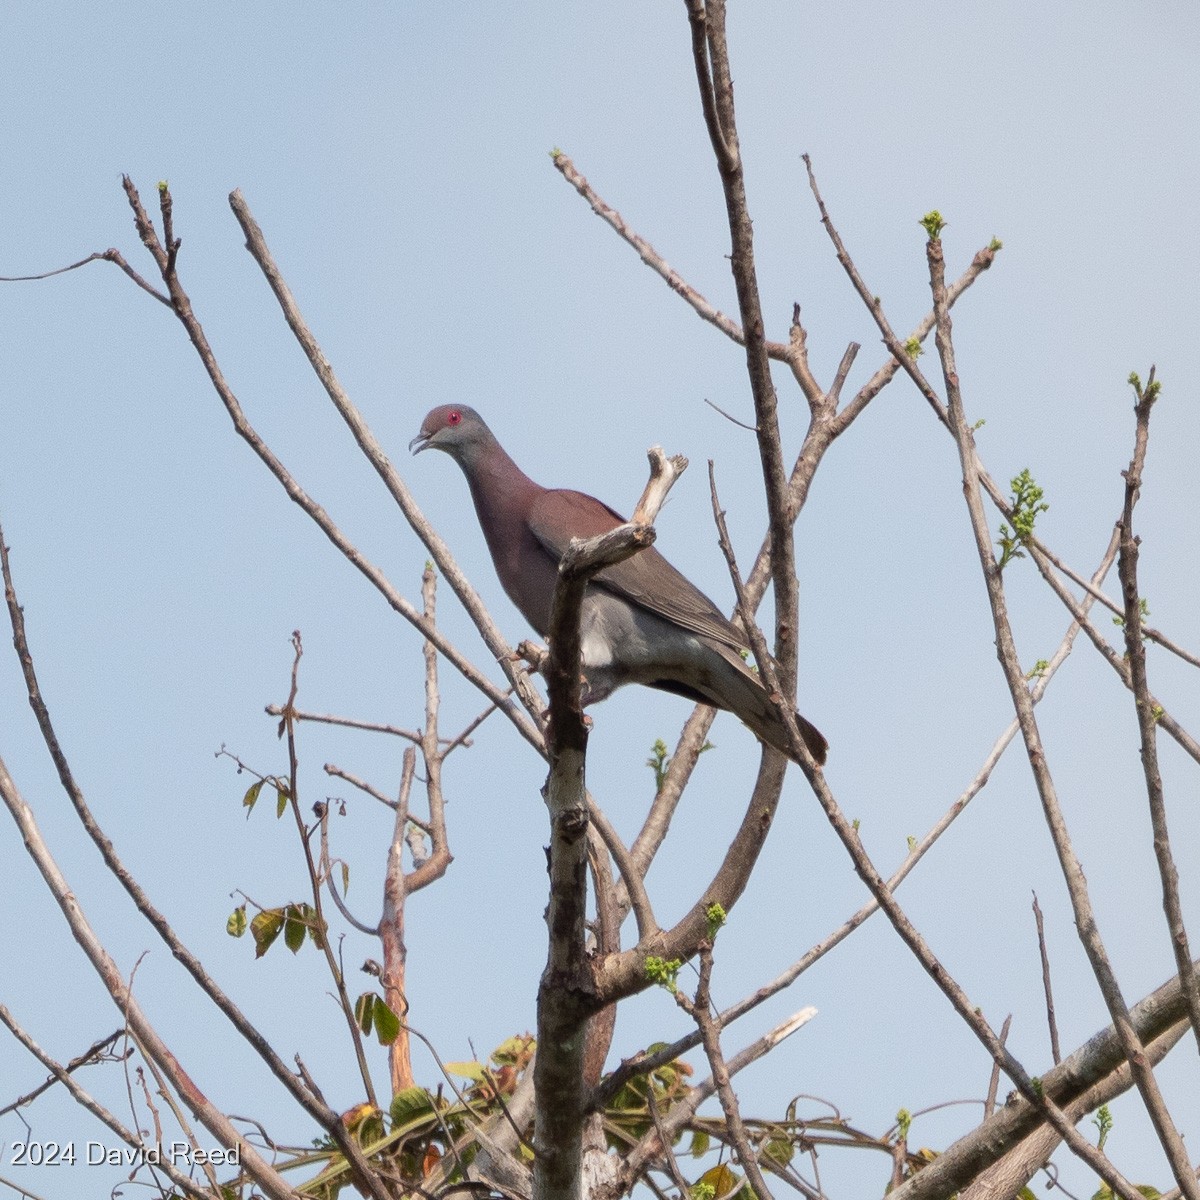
(646, 579)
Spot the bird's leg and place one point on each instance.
(585, 698)
(535, 657)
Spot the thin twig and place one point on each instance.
(110, 255)
(989, 1105)
(668, 1151)
(1046, 988)
(464, 738)
(1147, 717)
(288, 726)
(710, 1034)
(1117, 662)
(326, 873)
(95, 1053)
(730, 417)
(332, 769)
(633, 894)
(412, 735)
(1118, 610)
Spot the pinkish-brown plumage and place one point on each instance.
(643, 622)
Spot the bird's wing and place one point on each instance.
(646, 579)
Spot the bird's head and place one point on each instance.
(454, 428)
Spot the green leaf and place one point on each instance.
(779, 1149)
(281, 799)
(411, 1103)
(236, 925)
(513, 1050)
(364, 1011)
(345, 878)
(468, 1070)
(315, 926)
(700, 1143)
(720, 1179)
(265, 928)
(251, 797)
(294, 928)
(387, 1024)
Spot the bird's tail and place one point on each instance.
(744, 695)
(774, 733)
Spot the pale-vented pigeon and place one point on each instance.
(642, 621)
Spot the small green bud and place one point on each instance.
(933, 224)
(663, 972)
(716, 917)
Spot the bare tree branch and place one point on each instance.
(989, 1105)
(97, 1052)
(411, 735)
(63, 1075)
(567, 995)
(110, 255)
(1049, 991)
(96, 952)
(638, 1066)
(209, 1115)
(182, 307)
(1072, 871)
(1147, 717)
(1094, 1074)
(373, 451)
(710, 1034)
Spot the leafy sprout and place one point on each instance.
(664, 972)
(1027, 506)
(933, 223)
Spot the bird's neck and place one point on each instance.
(502, 492)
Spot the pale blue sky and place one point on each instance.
(397, 158)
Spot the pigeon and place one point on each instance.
(642, 620)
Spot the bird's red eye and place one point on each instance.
(454, 417)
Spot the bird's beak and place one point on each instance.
(420, 442)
